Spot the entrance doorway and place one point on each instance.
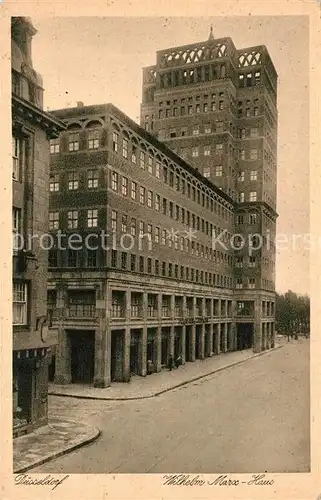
(165, 347)
(245, 335)
(134, 352)
(82, 348)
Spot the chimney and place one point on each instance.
(80, 104)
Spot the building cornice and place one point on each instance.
(28, 111)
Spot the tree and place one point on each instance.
(292, 313)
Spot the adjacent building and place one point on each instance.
(31, 130)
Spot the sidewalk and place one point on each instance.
(51, 441)
(158, 383)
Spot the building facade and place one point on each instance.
(141, 280)
(216, 107)
(31, 130)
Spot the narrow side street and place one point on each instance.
(248, 418)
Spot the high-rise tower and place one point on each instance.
(216, 106)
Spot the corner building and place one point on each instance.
(31, 130)
(159, 288)
(216, 107)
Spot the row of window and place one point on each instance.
(93, 141)
(126, 261)
(121, 184)
(191, 75)
(91, 216)
(171, 238)
(73, 180)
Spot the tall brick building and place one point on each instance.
(160, 288)
(31, 130)
(216, 107)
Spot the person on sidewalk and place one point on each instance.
(178, 361)
(170, 362)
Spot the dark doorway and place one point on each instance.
(178, 345)
(52, 368)
(245, 333)
(165, 345)
(82, 347)
(222, 339)
(188, 346)
(207, 346)
(134, 358)
(198, 343)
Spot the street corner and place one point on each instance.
(59, 437)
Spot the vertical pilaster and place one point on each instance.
(183, 344)
(158, 348)
(193, 341)
(217, 339)
(257, 344)
(126, 355)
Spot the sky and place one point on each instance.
(100, 60)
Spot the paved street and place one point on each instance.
(252, 417)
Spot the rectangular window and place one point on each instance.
(253, 154)
(196, 130)
(142, 195)
(53, 220)
(150, 199)
(54, 183)
(239, 283)
(114, 220)
(253, 196)
(124, 186)
(16, 226)
(241, 176)
(252, 261)
(91, 258)
(133, 262)
(252, 283)
(113, 261)
(207, 128)
(242, 154)
(206, 172)
(15, 159)
(125, 148)
(123, 261)
(72, 258)
(114, 181)
(207, 150)
(142, 160)
(195, 152)
(157, 170)
(156, 234)
(141, 264)
(19, 304)
(73, 142)
(219, 149)
(115, 142)
(163, 236)
(93, 139)
(254, 132)
(205, 107)
(54, 146)
(157, 267)
(92, 179)
(252, 218)
(133, 226)
(218, 171)
(157, 202)
(134, 190)
(73, 182)
(256, 111)
(253, 175)
(72, 219)
(124, 222)
(241, 197)
(92, 218)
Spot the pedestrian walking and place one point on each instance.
(170, 362)
(178, 361)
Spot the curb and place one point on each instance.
(198, 377)
(95, 435)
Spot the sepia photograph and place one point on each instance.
(160, 253)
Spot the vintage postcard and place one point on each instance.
(160, 214)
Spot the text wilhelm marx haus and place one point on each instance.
(202, 162)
